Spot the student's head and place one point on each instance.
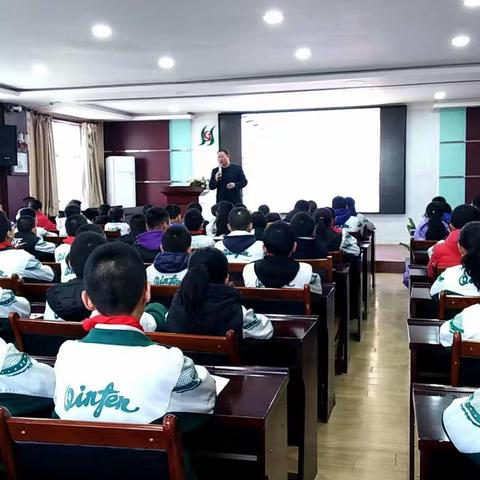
(193, 220)
(240, 218)
(26, 212)
(82, 247)
(464, 214)
(174, 213)
(194, 206)
(223, 209)
(157, 219)
(117, 214)
(273, 217)
(302, 206)
(439, 199)
(137, 223)
(26, 200)
(73, 223)
(91, 227)
(476, 201)
(265, 209)
(72, 209)
(35, 204)
(146, 208)
(332, 213)
(103, 209)
(115, 281)
(176, 239)
(223, 157)
(339, 203)
(312, 206)
(214, 209)
(259, 220)
(469, 245)
(76, 202)
(351, 205)
(279, 239)
(6, 229)
(302, 225)
(26, 224)
(436, 229)
(323, 223)
(205, 266)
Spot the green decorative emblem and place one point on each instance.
(464, 279)
(207, 136)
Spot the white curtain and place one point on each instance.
(94, 173)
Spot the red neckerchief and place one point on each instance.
(91, 322)
(6, 244)
(196, 232)
(69, 240)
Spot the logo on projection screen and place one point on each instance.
(207, 136)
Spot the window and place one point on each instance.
(70, 162)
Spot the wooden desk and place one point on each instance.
(439, 459)
(418, 274)
(341, 276)
(366, 248)
(419, 299)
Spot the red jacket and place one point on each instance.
(445, 254)
(44, 222)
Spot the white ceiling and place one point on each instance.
(363, 52)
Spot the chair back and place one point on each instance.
(337, 257)
(461, 349)
(321, 266)
(11, 283)
(419, 251)
(59, 449)
(56, 267)
(56, 240)
(163, 293)
(115, 235)
(437, 271)
(235, 271)
(453, 302)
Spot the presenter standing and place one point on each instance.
(228, 179)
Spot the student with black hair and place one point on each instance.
(193, 221)
(170, 265)
(27, 238)
(273, 217)
(476, 202)
(117, 222)
(300, 206)
(175, 213)
(91, 227)
(117, 360)
(220, 226)
(146, 208)
(313, 206)
(18, 261)
(240, 245)
(42, 219)
(463, 279)
(259, 223)
(148, 244)
(324, 233)
(207, 305)
(334, 220)
(265, 209)
(342, 212)
(194, 206)
(73, 223)
(103, 214)
(303, 227)
(432, 226)
(137, 227)
(70, 209)
(278, 269)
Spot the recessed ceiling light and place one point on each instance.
(273, 17)
(166, 62)
(173, 108)
(303, 53)
(101, 31)
(472, 3)
(440, 96)
(460, 41)
(39, 69)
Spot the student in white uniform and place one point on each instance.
(463, 279)
(240, 245)
(17, 261)
(27, 238)
(278, 269)
(194, 221)
(170, 265)
(207, 305)
(467, 323)
(9, 302)
(73, 223)
(116, 373)
(117, 222)
(70, 210)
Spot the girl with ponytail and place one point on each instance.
(206, 305)
(323, 230)
(432, 226)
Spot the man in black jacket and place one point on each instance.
(228, 179)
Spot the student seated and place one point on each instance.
(278, 269)
(447, 254)
(116, 373)
(259, 223)
(432, 226)
(363, 222)
(70, 210)
(137, 227)
(240, 245)
(207, 305)
(9, 302)
(272, 217)
(117, 222)
(103, 214)
(466, 323)
(91, 227)
(324, 233)
(26, 386)
(72, 224)
(342, 212)
(170, 265)
(174, 213)
(265, 209)
(148, 244)
(15, 260)
(349, 243)
(300, 206)
(194, 206)
(447, 209)
(42, 220)
(463, 279)
(313, 206)
(220, 225)
(303, 227)
(193, 221)
(334, 220)
(27, 238)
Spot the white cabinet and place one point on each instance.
(121, 188)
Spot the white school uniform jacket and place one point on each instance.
(241, 247)
(154, 277)
(114, 226)
(9, 302)
(61, 253)
(305, 276)
(455, 280)
(202, 241)
(117, 374)
(467, 323)
(24, 265)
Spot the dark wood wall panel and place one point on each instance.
(151, 135)
(152, 166)
(472, 166)
(473, 123)
(151, 193)
(472, 189)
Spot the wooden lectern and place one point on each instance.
(182, 195)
